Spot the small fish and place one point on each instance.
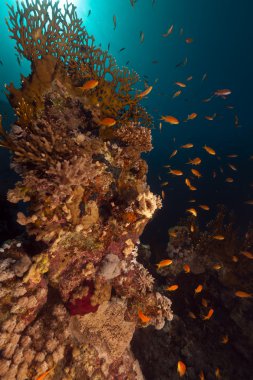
(192, 229)
(229, 180)
(176, 172)
(189, 78)
(195, 161)
(172, 288)
(217, 373)
(188, 182)
(232, 167)
(173, 234)
(144, 318)
(89, 13)
(170, 119)
(192, 315)
(1, 62)
(209, 150)
(207, 100)
(154, 63)
(114, 21)
(187, 268)
(232, 155)
(218, 237)
(183, 63)
(176, 94)
(145, 92)
(198, 289)
(89, 85)
(192, 116)
(142, 36)
(217, 266)
(181, 368)
(108, 122)
(247, 254)
(164, 263)
(201, 375)
(122, 49)
(173, 153)
(133, 2)
(163, 194)
(108, 47)
(196, 173)
(187, 146)
(249, 202)
(192, 211)
(214, 174)
(234, 259)
(181, 31)
(192, 201)
(204, 77)
(242, 294)
(160, 127)
(222, 92)
(224, 339)
(180, 84)
(209, 315)
(204, 302)
(169, 31)
(43, 376)
(189, 40)
(204, 207)
(165, 183)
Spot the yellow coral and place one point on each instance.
(39, 267)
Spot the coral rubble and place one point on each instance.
(71, 306)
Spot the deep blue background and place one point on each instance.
(222, 35)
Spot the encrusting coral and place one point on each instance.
(71, 287)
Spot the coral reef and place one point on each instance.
(71, 286)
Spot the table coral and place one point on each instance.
(71, 286)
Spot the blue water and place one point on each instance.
(222, 35)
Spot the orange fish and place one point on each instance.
(187, 268)
(250, 202)
(192, 211)
(172, 288)
(232, 155)
(108, 122)
(192, 229)
(217, 266)
(209, 150)
(224, 339)
(218, 237)
(164, 263)
(229, 180)
(181, 368)
(204, 302)
(145, 92)
(198, 289)
(89, 85)
(234, 259)
(223, 92)
(189, 40)
(170, 119)
(196, 173)
(210, 118)
(173, 153)
(176, 172)
(192, 315)
(163, 194)
(173, 234)
(192, 116)
(217, 373)
(189, 78)
(187, 146)
(201, 375)
(204, 207)
(247, 254)
(180, 84)
(43, 376)
(195, 161)
(242, 294)
(209, 315)
(143, 317)
(176, 94)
